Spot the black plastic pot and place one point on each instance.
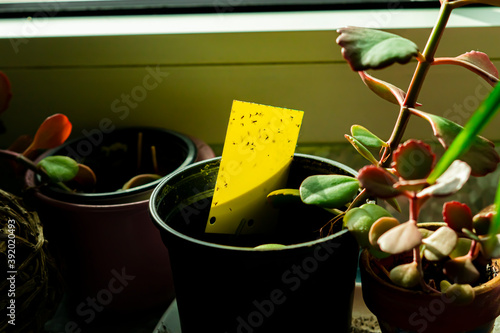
(223, 285)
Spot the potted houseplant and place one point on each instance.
(249, 283)
(104, 245)
(421, 277)
(399, 256)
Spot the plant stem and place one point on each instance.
(23, 160)
(417, 81)
(20, 158)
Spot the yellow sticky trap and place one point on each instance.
(258, 150)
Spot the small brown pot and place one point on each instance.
(399, 310)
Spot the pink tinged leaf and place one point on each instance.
(413, 160)
(383, 89)
(5, 92)
(51, 133)
(365, 48)
(461, 270)
(459, 3)
(440, 244)
(406, 275)
(378, 181)
(450, 181)
(457, 215)
(481, 156)
(477, 62)
(411, 185)
(402, 238)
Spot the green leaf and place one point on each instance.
(459, 294)
(359, 221)
(471, 148)
(269, 247)
(365, 48)
(462, 248)
(468, 137)
(361, 149)
(329, 191)
(59, 168)
(284, 197)
(491, 246)
(406, 275)
(367, 138)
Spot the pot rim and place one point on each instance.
(116, 197)
(366, 258)
(159, 221)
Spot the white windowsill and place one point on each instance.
(43, 26)
(81, 66)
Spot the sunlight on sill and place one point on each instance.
(391, 18)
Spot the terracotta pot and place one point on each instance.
(405, 311)
(223, 285)
(106, 244)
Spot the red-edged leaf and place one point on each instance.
(477, 62)
(5, 92)
(457, 215)
(413, 159)
(378, 181)
(365, 48)
(383, 89)
(51, 133)
(482, 220)
(460, 3)
(481, 156)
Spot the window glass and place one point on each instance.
(106, 7)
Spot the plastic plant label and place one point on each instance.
(258, 150)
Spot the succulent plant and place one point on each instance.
(463, 241)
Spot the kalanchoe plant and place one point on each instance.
(53, 169)
(464, 241)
